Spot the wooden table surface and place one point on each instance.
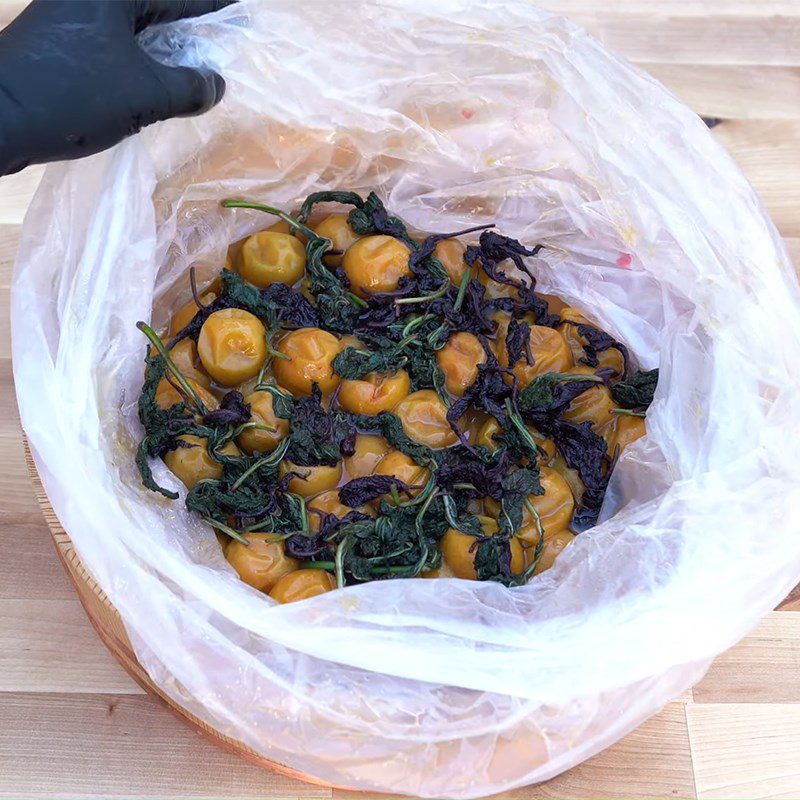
(73, 723)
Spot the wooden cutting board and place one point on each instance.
(73, 723)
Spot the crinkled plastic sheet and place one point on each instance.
(469, 113)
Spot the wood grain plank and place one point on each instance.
(9, 240)
(18, 501)
(36, 634)
(762, 668)
(29, 568)
(122, 746)
(732, 91)
(5, 324)
(651, 762)
(9, 9)
(16, 192)
(745, 751)
(688, 8)
(680, 38)
(793, 246)
(18, 497)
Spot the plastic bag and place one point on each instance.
(469, 113)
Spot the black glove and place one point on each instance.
(74, 81)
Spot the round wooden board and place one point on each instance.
(107, 622)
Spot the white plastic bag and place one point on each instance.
(469, 113)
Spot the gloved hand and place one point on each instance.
(74, 81)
